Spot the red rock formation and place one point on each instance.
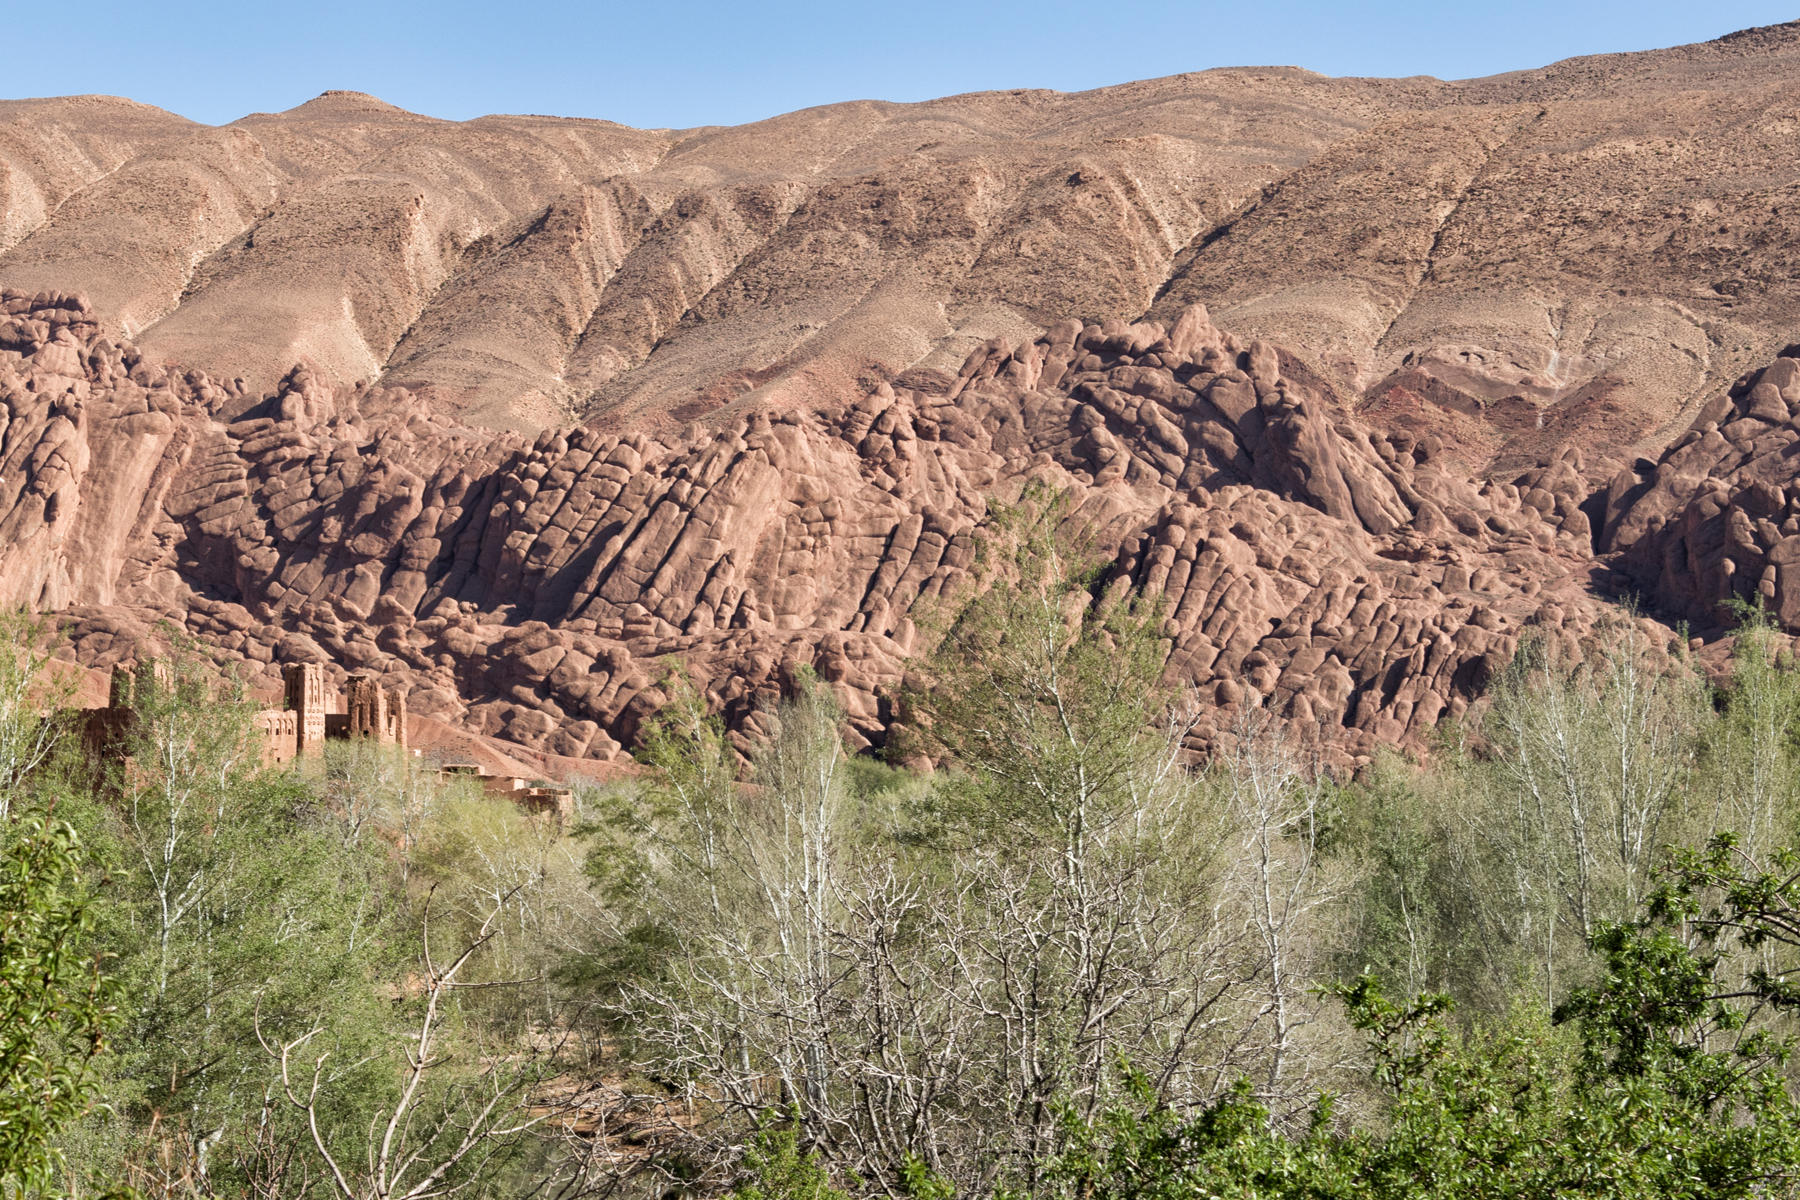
(542, 590)
(1716, 518)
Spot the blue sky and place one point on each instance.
(719, 63)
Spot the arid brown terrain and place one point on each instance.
(1361, 377)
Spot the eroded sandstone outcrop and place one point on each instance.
(1716, 519)
(542, 591)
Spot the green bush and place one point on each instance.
(56, 1003)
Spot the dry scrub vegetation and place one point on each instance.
(1066, 962)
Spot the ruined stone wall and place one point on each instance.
(279, 730)
(373, 714)
(102, 733)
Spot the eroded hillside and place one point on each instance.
(542, 590)
(532, 412)
(1606, 233)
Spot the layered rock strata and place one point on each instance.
(1714, 523)
(544, 590)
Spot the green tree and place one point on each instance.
(1581, 774)
(237, 899)
(1753, 752)
(1131, 904)
(776, 1169)
(32, 700)
(462, 1106)
(1046, 697)
(56, 1002)
(1662, 1082)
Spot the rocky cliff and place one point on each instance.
(541, 590)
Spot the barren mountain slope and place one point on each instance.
(1601, 241)
(800, 253)
(52, 149)
(529, 413)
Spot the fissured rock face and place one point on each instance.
(542, 590)
(1716, 519)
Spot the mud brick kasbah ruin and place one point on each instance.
(313, 713)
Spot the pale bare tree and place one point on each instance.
(1753, 750)
(187, 752)
(1274, 799)
(1588, 764)
(441, 1133)
(32, 698)
(946, 1000)
(945, 979)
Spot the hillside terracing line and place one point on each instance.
(542, 591)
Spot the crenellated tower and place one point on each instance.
(369, 710)
(306, 696)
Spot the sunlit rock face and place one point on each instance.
(543, 590)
